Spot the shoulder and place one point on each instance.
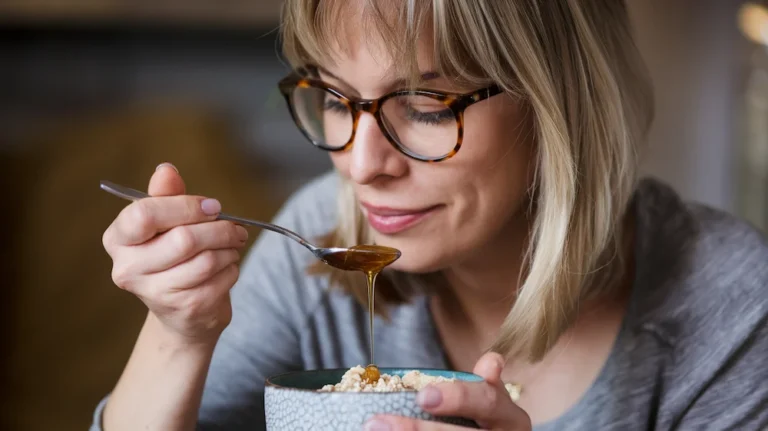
(701, 290)
(702, 272)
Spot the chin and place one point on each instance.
(416, 266)
(418, 256)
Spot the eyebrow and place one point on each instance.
(425, 76)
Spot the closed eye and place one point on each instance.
(430, 118)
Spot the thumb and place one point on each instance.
(489, 367)
(166, 181)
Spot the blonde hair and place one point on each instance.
(575, 66)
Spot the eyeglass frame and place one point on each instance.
(456, 102)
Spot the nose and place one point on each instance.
(373, 157)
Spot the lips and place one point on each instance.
(389, 221)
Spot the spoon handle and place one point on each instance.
(134, 195)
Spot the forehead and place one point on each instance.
(372, 60)
(371, 39)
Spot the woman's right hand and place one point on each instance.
(171, 252)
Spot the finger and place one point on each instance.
(208, 295)
(145, 218)
(183, 242)
(166, 181)
(467, 399)
(473, 397)
(195, 271)
(399, 423)
(489, 367)
(484, 402)
(198, 269)
(222, 281)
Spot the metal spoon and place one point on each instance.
(334, 256)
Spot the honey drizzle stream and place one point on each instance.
(371, 276)
(369, 259)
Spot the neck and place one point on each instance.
(482, 288)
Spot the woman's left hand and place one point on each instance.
(488, 403)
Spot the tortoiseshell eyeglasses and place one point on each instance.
(425, 125)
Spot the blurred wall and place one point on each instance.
(56, 72)
(695, 54)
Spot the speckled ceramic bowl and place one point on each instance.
(291, 401)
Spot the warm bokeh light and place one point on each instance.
(753, 22)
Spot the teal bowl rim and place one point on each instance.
(269, 383)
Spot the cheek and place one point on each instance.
(491, 199)
(485, 195)
(505, 150)
(505, 176)
(498, 156)
(488, 187)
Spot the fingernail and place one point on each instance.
(166, 164)
(211, 206)
(376, 425)
(429, 397)
(242, 232)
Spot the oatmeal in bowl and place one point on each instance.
(343, 399)
(354, 380)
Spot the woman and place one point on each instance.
(531, 254)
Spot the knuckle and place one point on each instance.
(207, 263)
(233, 272)
(107, 238)
(184, 241)
(224, 282)
(110, 242)
(140, 215)
(462, 395)
(120, 276)
(233, 256)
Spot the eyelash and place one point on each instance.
(430, 118)
(335, 106)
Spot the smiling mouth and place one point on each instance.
(390, 221)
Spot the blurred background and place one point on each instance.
(107, 89)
